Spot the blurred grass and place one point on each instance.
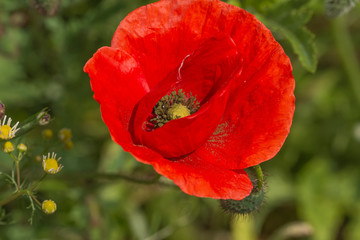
(313, 183)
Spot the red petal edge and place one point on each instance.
(197, 177)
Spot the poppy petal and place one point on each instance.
(199, 178)
(258, 118)
(163, 33)
(118, 84)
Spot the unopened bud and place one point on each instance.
(45, 119)
(245, 206)
(21, 147)
(8, 147)
(40, 118)
(48, 206)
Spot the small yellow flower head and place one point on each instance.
(65, 135)
(48, 206)
(47, 133)
(50, 164)
(21, 147)
(8, 147)
(6, 131)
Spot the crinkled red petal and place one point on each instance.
(257, 119)
(195, 176)
(118, 84)
(214, 65)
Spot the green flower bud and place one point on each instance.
(245, 206)
(21, 147)
(8, 147)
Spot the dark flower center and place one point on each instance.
(174, 106)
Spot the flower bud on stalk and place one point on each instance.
(245, 206)
(252, 202)
(8, 147)
(40, 118)
(48, 206)
(44, 119)
(21, 147)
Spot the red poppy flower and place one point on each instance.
(242, 101)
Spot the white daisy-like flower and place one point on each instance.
(6, 131)
(51, 164)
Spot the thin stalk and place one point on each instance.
(17, 170)
(22, 192)
(12, 197)
(259, 177)
(34, 198)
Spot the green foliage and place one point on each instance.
(288, 18)
(313, 181)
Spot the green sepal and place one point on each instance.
(245, 206)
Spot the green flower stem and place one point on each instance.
(16, 160)
(259, 177)
(347, 53)
(34, 198)
(13, 197)
(19, 193)
(17, 174)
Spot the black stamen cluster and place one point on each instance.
(161, 109)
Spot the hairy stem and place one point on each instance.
(259, 177)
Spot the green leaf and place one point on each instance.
(289, 19)
(336, 8)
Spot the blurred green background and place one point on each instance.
(313, 184)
